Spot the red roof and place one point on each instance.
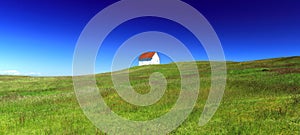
(147, 55)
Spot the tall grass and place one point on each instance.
(261, 97)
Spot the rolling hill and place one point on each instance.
(261, 97)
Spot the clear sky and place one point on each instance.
(38, 37)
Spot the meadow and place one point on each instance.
(261, 97)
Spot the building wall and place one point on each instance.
(155, 60)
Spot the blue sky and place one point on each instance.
(38, 37)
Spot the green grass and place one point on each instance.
(261, 97)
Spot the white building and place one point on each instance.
(149, 58)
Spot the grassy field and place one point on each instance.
(261, 97)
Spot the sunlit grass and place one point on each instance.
(261, 97)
